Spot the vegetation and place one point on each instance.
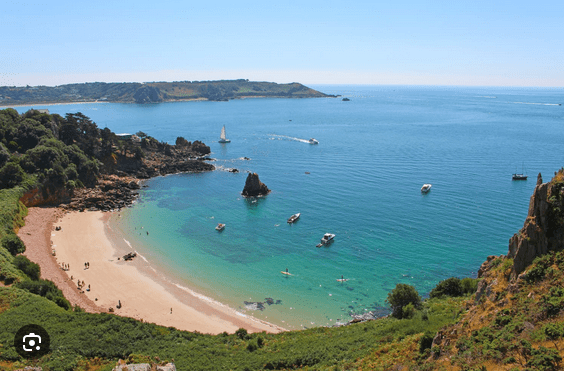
(154, 92)
(80, 339)
(404, 300)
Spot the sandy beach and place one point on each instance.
(142, 292)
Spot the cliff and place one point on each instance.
(543, 230)
(154, 92)
(516, 318)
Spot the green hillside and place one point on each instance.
(153, 92)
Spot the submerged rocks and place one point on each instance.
(254, 187)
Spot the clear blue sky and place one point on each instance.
(517, 43)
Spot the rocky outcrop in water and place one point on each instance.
(254, 187)
(543, 230)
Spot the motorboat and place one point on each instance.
(426, 188)
(326, 239)
(313, 141)
(222, 138)
(293, 218)
(220, 227)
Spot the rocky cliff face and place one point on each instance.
(543, 230)
(45, 196)
(254, 187)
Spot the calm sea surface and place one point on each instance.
(362, 183)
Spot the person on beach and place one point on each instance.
(170, 310)
(88, 289)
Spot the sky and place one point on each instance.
(476, 43)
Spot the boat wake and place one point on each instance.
(286, 137)
(539, 104)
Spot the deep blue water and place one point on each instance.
(364, 181)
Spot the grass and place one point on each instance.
(81, 338)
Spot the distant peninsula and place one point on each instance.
(154, 92)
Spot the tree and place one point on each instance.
(449, 287)
(401, 296)
(11, 175)
(13, 244)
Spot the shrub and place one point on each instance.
(401, 296)
(449, 287)
(31, 269)
(469, 285)
(47, 289)
(241, 333)
(13, 244)
(408, 311)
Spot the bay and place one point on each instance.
(361, 182)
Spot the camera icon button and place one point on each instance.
(32, 341)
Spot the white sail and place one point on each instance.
(222, 137)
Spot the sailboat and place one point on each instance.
(222, 137)
(521, 176)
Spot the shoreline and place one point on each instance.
(143, 292)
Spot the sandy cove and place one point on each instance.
(143, 293)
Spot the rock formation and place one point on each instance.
(543, 230)
(254, 187)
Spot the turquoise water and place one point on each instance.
(364, 183)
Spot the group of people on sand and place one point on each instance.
(86, 265)
(80, 285)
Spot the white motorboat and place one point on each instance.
(313, 141)
(426, 188)
(326, 239)
(222, 138)
(220, 227)
(293, 218)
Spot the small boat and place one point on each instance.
(222, 138)
(313, 141)
(520, 176)
(220, 227)
(326, 239)
(426, 188)
(286, 273)
(294, 217)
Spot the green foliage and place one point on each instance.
(78, 335)
(242, 334)
(469, 285)
(449, 287)
(11, 175)
(12, 243)
(31, 269)
(8, 272)
(47, 289)
(544, 359)
(539, 266)
(401, 296)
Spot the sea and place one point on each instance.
(361, 182)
